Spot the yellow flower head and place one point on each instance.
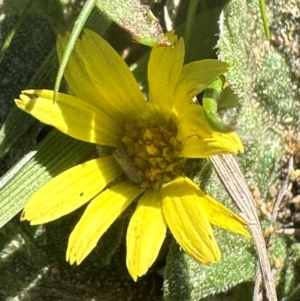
(151, 139)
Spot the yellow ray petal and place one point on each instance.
(120, 91)
(71, 116)
(230, 142)
(194, 78)
(145, 234)
(221, 216)
(110, 82)
(219, 144)
(70, 190)
(76, 74)
(188, 221)
(199, 140)
(97, 218)
(164, 68)
(192, 123)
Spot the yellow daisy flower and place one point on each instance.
(151, 139)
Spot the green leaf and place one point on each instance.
(190, 281)
(135, 18)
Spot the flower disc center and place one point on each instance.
(154, 150)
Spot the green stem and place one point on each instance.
(262, 7)
(190, 20)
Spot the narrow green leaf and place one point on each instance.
(78, 26)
